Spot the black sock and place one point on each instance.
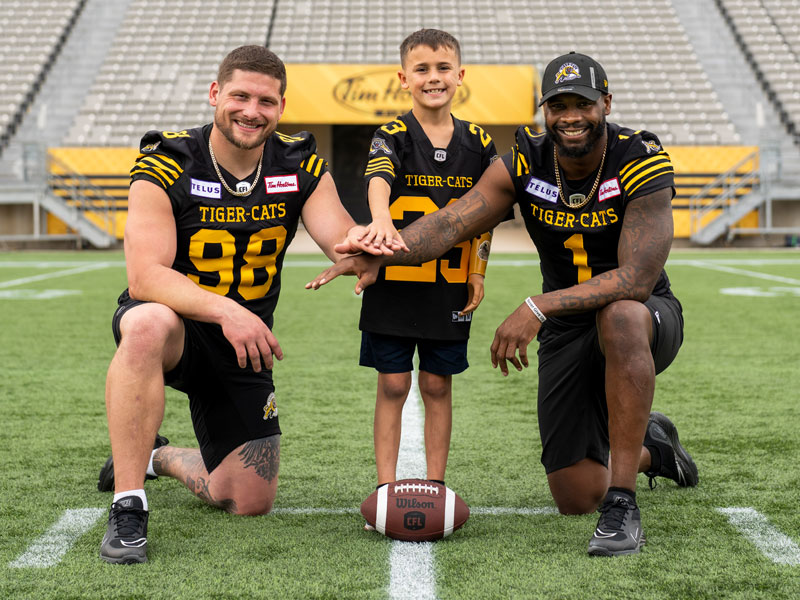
(630, 493)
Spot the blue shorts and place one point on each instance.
(394, 354)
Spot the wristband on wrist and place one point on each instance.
(535, 310)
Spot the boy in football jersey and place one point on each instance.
(417, 164)
(596, 200)
(211, 211)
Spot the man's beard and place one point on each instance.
(595, 133)
(227, 131)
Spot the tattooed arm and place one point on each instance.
(644, 245)
(476, 212)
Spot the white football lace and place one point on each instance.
(416, 487)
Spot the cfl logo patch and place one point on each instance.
(457, 318)
(414, 520)
(270, 409)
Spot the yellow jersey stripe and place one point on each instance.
(150, 172)
(159, 160)
(633, 176)
(661, 156)
(641, 183)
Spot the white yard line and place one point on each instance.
(51, 547)
(413, 573)
(713, 266)
(53, 275)
(773, 544)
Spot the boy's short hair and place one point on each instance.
(429, 37)
(257, 59)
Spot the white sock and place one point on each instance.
(139, 493)
(150, 470)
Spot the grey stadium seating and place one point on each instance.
(33, 30)
(157, 72)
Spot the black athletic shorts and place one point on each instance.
(573, 416)
(395, 354)
(229, 405)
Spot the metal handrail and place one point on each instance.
(731, 182)
(81, 193)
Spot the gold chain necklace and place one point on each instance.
(222, 179)
(578, 200)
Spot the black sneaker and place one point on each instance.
(125, 541)
(619, 529)
(676, 463)
(105, 482)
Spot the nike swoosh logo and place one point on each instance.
(603, 534)
(134, 544)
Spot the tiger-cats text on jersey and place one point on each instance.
(232, 245)
(423, 301)
(575, 245)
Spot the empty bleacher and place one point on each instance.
(159, 68)
(163, 59)
(33, 31)
(769, 34)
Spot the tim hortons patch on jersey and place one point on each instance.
(609, 189)
(542, 189)
(281, 184)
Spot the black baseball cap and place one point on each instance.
(574, 73)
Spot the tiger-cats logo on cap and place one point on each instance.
(567, 72)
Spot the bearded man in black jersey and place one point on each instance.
(211, 211)
(596, 201)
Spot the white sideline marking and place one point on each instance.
(506, 510)
(703, 264)
(413, 575)
(47, 276)
(51, 547)
(773, 544)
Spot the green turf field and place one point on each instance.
(733, 392)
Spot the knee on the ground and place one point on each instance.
(582, 505)
(252, 505)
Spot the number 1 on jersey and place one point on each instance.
(579, 257)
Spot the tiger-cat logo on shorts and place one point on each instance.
(270, 409)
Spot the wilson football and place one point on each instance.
(415, 510)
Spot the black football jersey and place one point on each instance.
(232, 245)
(423, 301)
(575, 245)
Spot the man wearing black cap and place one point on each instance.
(596, 201)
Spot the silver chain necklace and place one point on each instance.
(222, 179)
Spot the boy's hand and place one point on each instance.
(382, 232)
(475, 290)
(355, 242)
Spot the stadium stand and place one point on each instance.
(768, 33)
(33, 33)
(154, 69)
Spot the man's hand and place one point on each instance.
(250, 337)
(513, 335)
(362, 266)
(475, 293)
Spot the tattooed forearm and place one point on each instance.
(263, 455)
(432, 235)
(644, 245)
